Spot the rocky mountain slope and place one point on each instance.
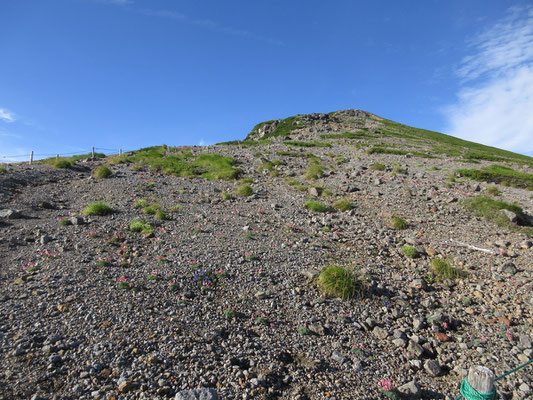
(205, 272)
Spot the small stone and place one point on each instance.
(317, 328)
(509, 268)
(442, 336)
(511, 216)
(314, 191)
(526, 244)
(504, 321)
(399, 342)
(380, 333)
(76, 220)
(524, 387)
(418, 324)
(338, 357)
(197, 394)
(414, 347)
(432, 367)
(416, 364)
(411, 390)
(431, 252)
(45, 239)
(125, 387)
(10, 214)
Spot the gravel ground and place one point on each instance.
(222, 289)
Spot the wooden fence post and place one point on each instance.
(92, 153)
(31, 158)
(120, 151)
(481, 379)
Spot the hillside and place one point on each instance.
(211, 267)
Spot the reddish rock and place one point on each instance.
(505, 321)
(442, 336)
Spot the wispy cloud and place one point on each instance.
(494, 105)
(6, 115)
(210, 25)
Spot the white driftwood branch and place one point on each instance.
(455, 242)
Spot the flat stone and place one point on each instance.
(77, 220)
(511, 216)
(432, 367)
(442, 336)
(338, 357)
(317, 328)
(414, 347)
(380, 333)
(10, 214)
(125, 387)
(197, 394)
(411, 390)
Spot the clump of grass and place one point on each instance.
(314, 171)
(244, 190)
(102, 171)
(226, 195)
(343, 205)
(377, 167)
(265, 166)
(142, 226)
(97, 208)
(409, 251)
(3, 170)
(317, 206)
(443, 269)
(398, 223)
(61, 163)
(500, 174)
(488, 208)
(493, 190)
(307, 144)
(64, 222)
(400, 170)
(140, 203)
(337, 281)
(230, 313)
(304, 330)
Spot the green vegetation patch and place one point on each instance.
(97, 208)
(317, 206)
(337, 281)
(314, 171)
(488, 208)
(283, 128)
(500, 174)
(142, 226)
(244, 190)
(102, 171)
(343, 205)
(344, 135)
(398, 223)
(445, 270)
(306, 144)
(409, 251)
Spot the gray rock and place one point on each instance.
(511, 216)
(45, 239)
(526, 244)
(432, 367)
(76, 220)
(197, 394)
(10, 214)
(380, 333)
(411, 390)
(317, 328)
(399, 342)
(314, 191)
(338, 357)
(414, 347)
(418, 324)
(509, 268)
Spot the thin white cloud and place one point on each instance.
(6, 115)
(210, 25)
(494, 105)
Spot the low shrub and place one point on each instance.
(377, 167)
(142, 226)
(62, 164)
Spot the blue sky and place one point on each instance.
(134, 73)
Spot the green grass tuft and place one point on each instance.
(377, 167)
(343, 205)
(500, 174)
(398, 223)
(244, 190)
(97, 208)
(102, 171)
(314, 171)
(409, 251)
(443, 269)
(317, 206)
(142, 226)
(337, 281)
